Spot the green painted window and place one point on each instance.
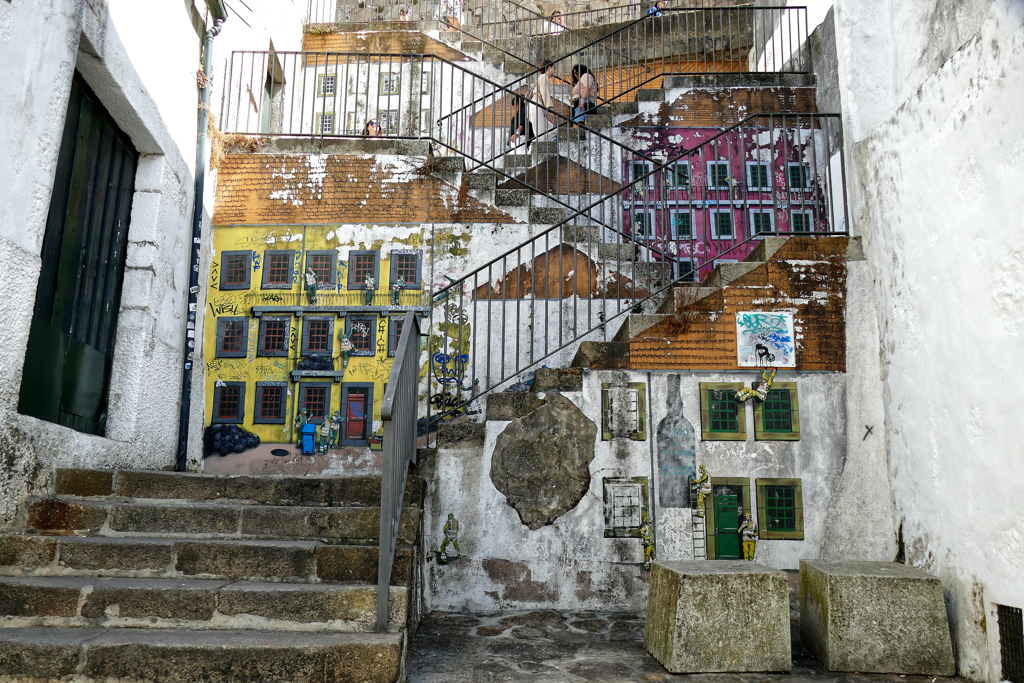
(779, 507)
(780, 511)
(777, 417)
(777, 411)
(724, 411)
(722, 417)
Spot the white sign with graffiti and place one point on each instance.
(765, 338)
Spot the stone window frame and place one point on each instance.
(332, 280)
(321, 79)
(221, 322)
(224, 256)
(261, 350)
(343, 407)
(257, 413)
(761, 434)
(761, 212)
(320, 116)
(217, 391)
(301, 398)
(789, 176)
(391, 92)
(392, 268)
(710, 542)
(809, 214)
(351, 268)
(264, 284)
(635, 175)
(708, 175)
(304, 349)
(672, 213)
(764, 532)
(608, 485)
(371, 322)
(751, 186)
(706, 433)
(641, 408)
(713, 223)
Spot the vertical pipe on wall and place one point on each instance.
(650, 439)
(197, 231)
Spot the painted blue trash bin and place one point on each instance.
(308, 438)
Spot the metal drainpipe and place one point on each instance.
(197, 231)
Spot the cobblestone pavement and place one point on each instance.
(576, 647)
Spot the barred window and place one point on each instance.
(274, 336)
(314, 400)
(318, 333)
(780, 508)
(777, 411)
(235, 269)
(682, 225)
(322, 265)
(228, 405)
(758, 177)
(405, 266)
(722, 226)
(801, 221)
(327, 84)
(761, 222)
(232, 335)
(362, 265)
(270, 402)
(724, 411)
(279, 269)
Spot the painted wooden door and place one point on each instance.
(357, 406)
(727, 522)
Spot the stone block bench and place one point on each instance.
(874, 617)
(715, 616)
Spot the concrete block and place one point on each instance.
(878, 617)
(74, 482)
(115, 554)
(247, 559)
(726, 615)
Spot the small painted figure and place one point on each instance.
(760, 390)
(371, 285)
(396, 289)
(300, 421)
(335, 428)
(703, 486)
(311, 286)
(345, 344)
(325, 436)
(748, 533)
(451, 535)
(647, 541)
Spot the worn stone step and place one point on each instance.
(471, 46)
(481, 180)
(683, 296)
(267, 490)
(546, 215)
(582, 234)
(286, 561)
(557, 379)
(514, 66)
(650, 95)
(511, 197)
(193, 603)
(635, 324)
(450, 164)
(596, 121)
(614, 253)
(492, 54)
(460, 435)
(724, 273)
(623, 108)
(201, 518)
(190, 656)
(512, 404)
(602, 355)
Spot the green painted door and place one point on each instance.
(727, 522)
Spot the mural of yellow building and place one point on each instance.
(300, 318)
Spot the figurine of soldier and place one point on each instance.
(451, 535)
(703, 486)
(335, 428)
(311, 286)
(396, 289)
(760, 390)
(325, 435)
(647, 541)
(345, 344)
(300, 421)
(748, 532)
(371, 285)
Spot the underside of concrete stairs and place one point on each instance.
(174, 577)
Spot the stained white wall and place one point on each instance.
(931, 94)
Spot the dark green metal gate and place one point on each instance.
(71, 345)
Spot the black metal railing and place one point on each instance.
(398, 414)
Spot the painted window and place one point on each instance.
(799, 175)
(410, 265)
(390, 83)
(317, 335)
(277, 269)
(228, 402)
(322, 262)
(363, 334)
(270, 403)
(721, 224)
(801, 221)
(777, 418)
(679, 175)
(722, 417)
(325, 123)
(389, 121)
(638, 169)
(687, 271)
(1011, 642)
(780, 514)
(625, 506)
(762, 221)
(724, 511)
(643, 224)
(718, 175)
(316, 398)
(275, 331)
(395, 324)
(759, 176)
(624, 411)
(360, 264)
(232, 337)
(235, 269)
(357, 411)
(682, 224)
(327, 84)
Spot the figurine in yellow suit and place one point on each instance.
(748, 533)
(647, 541)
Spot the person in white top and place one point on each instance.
(543, 121)
(557, 23)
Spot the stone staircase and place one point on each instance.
(174, 577)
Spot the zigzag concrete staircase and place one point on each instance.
(174, 577)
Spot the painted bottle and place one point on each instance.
(677, 452)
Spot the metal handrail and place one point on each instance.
(398, 413)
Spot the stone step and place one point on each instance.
(188, 656)
(635, 324)
(602, 355)
(480, 180)
(284, 561)
(471, 46)
(683, 296)
(193, 603)
(597, 121)
(650, 95)
(623, 108)
(511, 197)
(557, 379)
(512, 404)
(264, 490)
(582, 234)
(213, 520)
(452, 164)
(516, 67)
(546, 215)
(617, 253)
